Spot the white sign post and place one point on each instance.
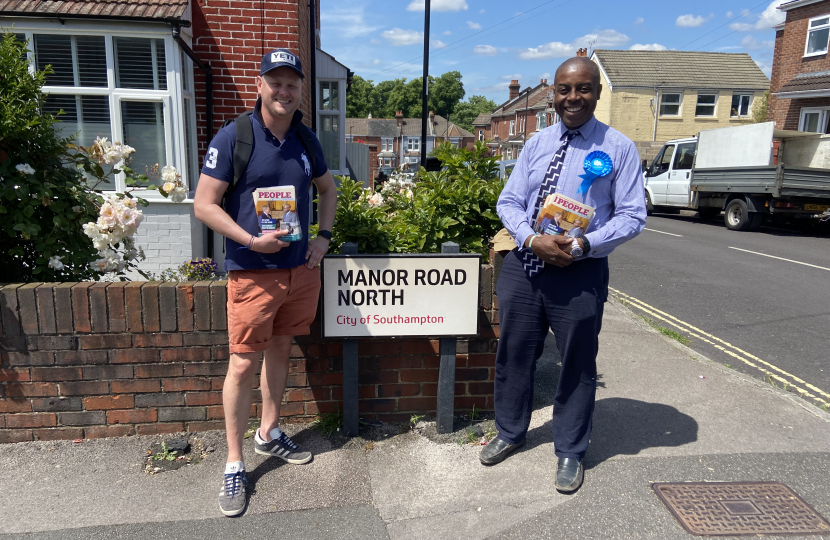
(400, 295)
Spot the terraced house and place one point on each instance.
(163, 76)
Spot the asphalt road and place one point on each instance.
(753, 310)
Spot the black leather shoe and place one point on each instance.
(569, 475)
(496, 450)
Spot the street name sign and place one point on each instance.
(400, 295)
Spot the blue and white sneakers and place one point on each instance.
(282, 447)
(233, 499)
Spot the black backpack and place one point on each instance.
(245, 144)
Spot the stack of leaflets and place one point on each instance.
(276, 209)
(563, 215)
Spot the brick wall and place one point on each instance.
(87, 360)
(788, 61)
(233, 35)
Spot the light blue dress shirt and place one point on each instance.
(618, 198)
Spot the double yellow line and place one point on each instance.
(801, 386)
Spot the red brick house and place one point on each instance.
(393, 142)
(800, 84)
(513, 122)
(163, 77)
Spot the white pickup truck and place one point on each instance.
(750, 172)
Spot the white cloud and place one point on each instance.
(766, 67)
(751, 44)
(399, 37)
(437, 43)
(729, 14)
(485, 50)
(500, 86)
(348, 22)
(771, 16)
(438, 5)
(376, 61)
(545, 75)
(648, 47)
(447, 33)
(374, 41)
(692, 21)
(639, 20)
(473, 25)
(557, 49)
(482, 10)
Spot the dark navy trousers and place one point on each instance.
(570, 302)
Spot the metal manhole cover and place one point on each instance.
(739, 508)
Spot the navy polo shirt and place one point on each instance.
(272, 164)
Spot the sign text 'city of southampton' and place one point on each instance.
(400, 295)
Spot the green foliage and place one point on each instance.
(329, 423)
(760, 109)
(383, 99)
(455, 204)
(467, 111)
(41, 212)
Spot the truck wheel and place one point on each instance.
(708, 213)
(649, 206)
(737, 216)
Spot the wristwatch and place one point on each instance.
(587, 244)
(325, 234)
(576, 251)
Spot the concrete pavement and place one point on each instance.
(663, 414)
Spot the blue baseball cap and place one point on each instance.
(279, 58)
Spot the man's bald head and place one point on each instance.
(576, 89)
(578, 63)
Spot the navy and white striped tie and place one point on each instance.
(531, 263)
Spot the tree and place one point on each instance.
(359, 98)
(760, 109)
(445, 93)
(467, 111)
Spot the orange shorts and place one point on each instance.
(267, 303)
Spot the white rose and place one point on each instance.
(25, 168)
(169, 174)
(55, 262)
(99, 266)
(179, 194)
(168, 187)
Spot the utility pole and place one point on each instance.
(424, 105)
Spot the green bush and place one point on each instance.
(43, 204)
(455, 204)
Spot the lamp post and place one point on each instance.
(424, 105)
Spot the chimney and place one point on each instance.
(514, 88)
(399, 117)
(582, 52)
(431, 126)
(544, 81)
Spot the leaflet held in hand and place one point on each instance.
(276, 209)
(563, 215)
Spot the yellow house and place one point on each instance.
(693, 91)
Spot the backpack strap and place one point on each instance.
(242, 148)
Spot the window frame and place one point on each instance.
(748, 114)
(413, 144)
(713, 105)
(340, 112)
(177, 103)
(824, 116)
(679, 105)
(512, 128)
(481, 135)
(810, 30)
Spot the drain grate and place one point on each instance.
(739, 508)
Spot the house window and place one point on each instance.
(387, 162)
(454, 143)
(706, 104)
(512, 127)
(136, 90)
(817, 36)
(330, 119)
(386, 145)
(541, 121)
(414, 159)
(413, 144)
(814, 120)
(481, 134)
(740, 105)
(670, 104)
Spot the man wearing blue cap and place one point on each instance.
(273, 285)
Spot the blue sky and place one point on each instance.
(492, 41)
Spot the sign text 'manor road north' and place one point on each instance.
(390, 278)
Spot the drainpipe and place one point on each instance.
(656, 112)
(204, 66)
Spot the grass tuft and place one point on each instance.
(668, 332)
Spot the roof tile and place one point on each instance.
(139, 9)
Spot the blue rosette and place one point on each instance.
(597, 164)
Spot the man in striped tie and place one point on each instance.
(559, 283)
